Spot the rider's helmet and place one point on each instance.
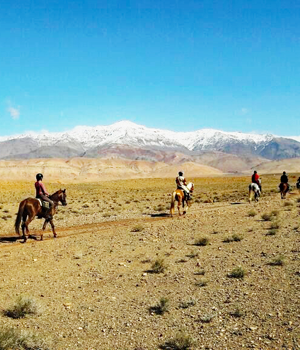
(255, 172)
(39, 176)
(180, 173)
(284, 173)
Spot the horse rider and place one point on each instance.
(42, 193)
(298, 183)
(181, 185)
(284, 179)
(255, 179)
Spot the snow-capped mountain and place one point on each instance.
(102, 140)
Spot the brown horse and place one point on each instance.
(178, 196)
(29, 208)
(284, 188)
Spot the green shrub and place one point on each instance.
(237, 272)
(24, 306)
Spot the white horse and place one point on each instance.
(178, 195)
(254, 192)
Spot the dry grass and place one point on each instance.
(24, 306)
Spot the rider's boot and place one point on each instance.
(48, 214)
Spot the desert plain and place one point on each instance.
(123, 274)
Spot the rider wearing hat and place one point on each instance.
(181, 185)
(42, 193)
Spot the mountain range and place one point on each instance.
(226, 151)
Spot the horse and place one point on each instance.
(29, 208)
(254, 192)
(178, 195)
(284, 189)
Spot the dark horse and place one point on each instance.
(284, 188)
(29, 208)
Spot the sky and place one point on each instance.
(176, 65)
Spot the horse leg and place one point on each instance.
(44, 228)
(53, 228)
(179, 205)
(186, 208)
(25, 228)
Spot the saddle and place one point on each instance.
(44, 204)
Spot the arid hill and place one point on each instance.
(89, 169)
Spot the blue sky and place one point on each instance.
(230, 65)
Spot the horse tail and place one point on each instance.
(19, 216)
(173, 203)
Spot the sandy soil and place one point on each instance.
(95, 285)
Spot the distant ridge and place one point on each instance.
(227, 151)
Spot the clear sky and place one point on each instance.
(177, 65)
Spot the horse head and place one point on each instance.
(60, 196)
(190, 186)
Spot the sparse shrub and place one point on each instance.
(201, 283)
(237, 272)
(158, 266)
(202, 241)
(161, 307)
(11, 339)
(137, 228)
(275, 225)
(188, 303)
(234, 238)
(237, 312)
(6, 211)
(106, 215)
(271, 232)
(77, 255)
(275, 213)
(24, 306)
(207, 318)
(199, 273)
(278, 261)
(86, 205)
(193, 254)
(252, 213)
(266, 217)
(298, 200)
(160, 207)
(181, 342)
(288, 204)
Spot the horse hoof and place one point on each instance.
(42, 238)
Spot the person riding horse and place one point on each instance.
(42, 193)
(298, 183)
(284, 179)
(255, 179)
(181, 185)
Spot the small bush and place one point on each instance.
(137, 228)
(278, 261)
(187, 304)
(199, 273)
(275, 225)
(158, 266)
(266, 217)
(275, 213)
(193, 254)
(237, 312)
(237, 272)
(24, 306)
(201, 283)
(161, 307)
(203, 241)
(234, 238)
(180, 342)
(271, 232)
(11, 339)
(207, 318)
(252, 213)
(288, 204)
